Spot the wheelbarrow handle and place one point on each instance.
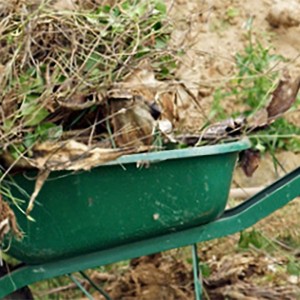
(264, 202)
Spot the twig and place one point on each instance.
(59, 289)
(242, 193)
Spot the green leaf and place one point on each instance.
(205, 270)
(28, 107)
(161, 6)
(49, 131)
(157, 26)
(160, 43)
(142, 51)
(37, 117)
(257, 240)
(32, 112)
(232, 12)
(254, 238)
(293, 268)
(126, 5)
(92, 61)
(29, 139)
(260, 147)
(140, 10)
(16, 150)
(244, 240)
(8, 125)
(189, 260)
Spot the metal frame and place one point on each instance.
(196, 273)
(234, 220)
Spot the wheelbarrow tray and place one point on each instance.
(135, 197)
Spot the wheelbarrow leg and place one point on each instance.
(95, 286)
(197, 273)
(81, 287)
(92, 283)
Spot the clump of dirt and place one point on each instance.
(245, 275)
(237, 277)
(284, 14)
(154, 277)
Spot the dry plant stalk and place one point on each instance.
(59, 60)
(8, 221)
(58, 65)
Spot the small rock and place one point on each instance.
(293, 279)
(286, 14)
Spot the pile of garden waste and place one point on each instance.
(79, 84)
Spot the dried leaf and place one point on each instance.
(72, 155)
(284, 96)
(169, 108)
(142, 77)
(8, 107)
(249, 161)
(10, 161)
(188, 139)
(132, 122)
(41, 178)
(8, 221)
(80, 101)
(4, 228)
(68, 155)
(228, 127)
(165, 126)
(119, 93)
(259, 119)
(64, 5)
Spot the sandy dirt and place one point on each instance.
(211, 33)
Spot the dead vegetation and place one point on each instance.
(71, 81)
(58, 68)
(8, 221)
(80, 87)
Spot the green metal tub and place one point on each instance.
(137, 196)
(137, 205)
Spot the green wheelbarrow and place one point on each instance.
(137, 205)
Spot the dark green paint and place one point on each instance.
(119, 203)
(232, 221)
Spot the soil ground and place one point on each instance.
(214, 31)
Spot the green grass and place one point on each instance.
(255, 80)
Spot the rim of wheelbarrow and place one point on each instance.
(183, 153)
